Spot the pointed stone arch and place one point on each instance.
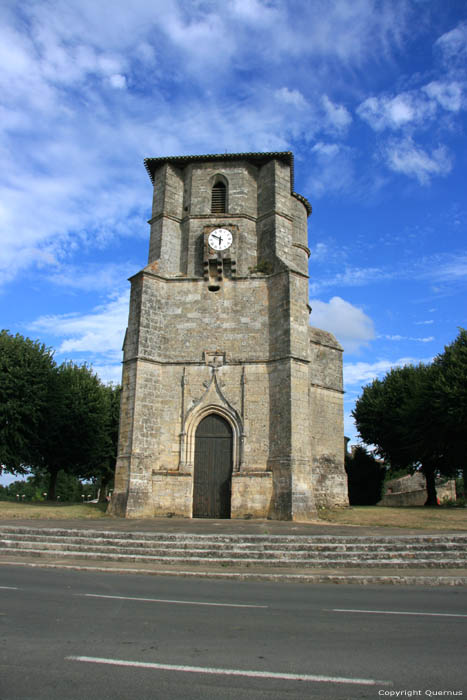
(213, 401)
(219, 194)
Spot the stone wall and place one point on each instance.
(410, 490)
(245, 351)
(327, 421)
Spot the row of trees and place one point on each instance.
(68, 489)
(416, 417)
(54, 417)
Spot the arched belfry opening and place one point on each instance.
(219, 198)
(213, 463)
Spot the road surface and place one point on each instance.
(67, 635)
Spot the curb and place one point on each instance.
(358, 579)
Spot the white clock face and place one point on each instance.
(220, 239)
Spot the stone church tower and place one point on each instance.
(232, 402)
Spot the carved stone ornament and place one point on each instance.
(214, 358)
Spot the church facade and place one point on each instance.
(232, 404)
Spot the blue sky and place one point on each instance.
(370, 95)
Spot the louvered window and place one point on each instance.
(218, 198)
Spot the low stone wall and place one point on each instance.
(172, 494)
(417, 497)
(251, 494)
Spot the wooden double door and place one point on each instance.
(212, 468)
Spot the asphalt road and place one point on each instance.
(68, 635)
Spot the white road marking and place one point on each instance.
(172, 602)
(9, 588)
(228, 671)
(398, 612)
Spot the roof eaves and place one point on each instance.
(151, 164)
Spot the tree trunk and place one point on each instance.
(432, 498)
(464, 479)
(105, 480)
(52, 485)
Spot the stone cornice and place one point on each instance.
(164, 215)
(220, 217)
(327, 388)
(302, 247)
(274, 212)
(199, 363)
(148, 272)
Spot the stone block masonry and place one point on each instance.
(231, 402)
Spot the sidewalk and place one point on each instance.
(200, 526)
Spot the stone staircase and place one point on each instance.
(237, 552)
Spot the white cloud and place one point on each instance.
(451, 270)
(453, 45)
(449, 95)
(332, 169)
(396, 112)
(72, 147)
(118, 81)
(348, 30)
(319, 252)
(337, 116)
(93, 276)
(292, 97)
(428, 106)
(353, 277)
(446, 268)
(99, 333)
(404, 156)
(360, 373)
(416, 108)
(253, 11)
(326, 150)
(404, 337)
(352, 327)
(109, 373)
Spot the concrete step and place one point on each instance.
(298, 540)
(234, 538)
(419, 563)
(184, 544)
(313, 551)
(233, 552)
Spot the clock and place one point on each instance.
(220, 239)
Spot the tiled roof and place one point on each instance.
(152, 164)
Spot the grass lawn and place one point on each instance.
(366, 516)
(49, 511)
(418, 517)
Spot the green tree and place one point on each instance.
(104, 468)
(27, 373)
(397, 415)
(450, 401)
(68, 488)
(365, 476)
(76, 428)
(53, 418)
